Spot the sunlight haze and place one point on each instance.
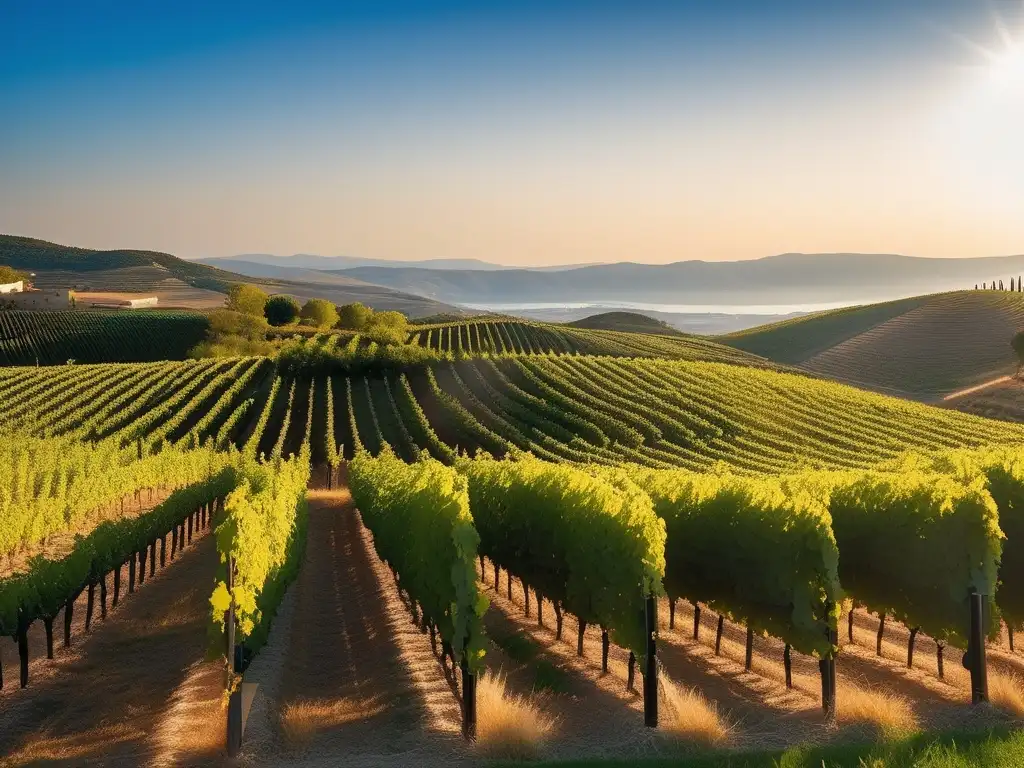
(519, 135)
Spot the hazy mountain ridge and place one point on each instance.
(335, 263)
(786, 278)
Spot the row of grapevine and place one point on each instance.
(504, 337)
(52, 585)
(583, 410)
(54, 485)
(419, 516)
(53, 338)
(591, 546)
(260, 541)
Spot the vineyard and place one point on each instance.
(587, 492)
(600, 410)
(517, 337)
(54, 338)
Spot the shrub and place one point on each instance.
(319, 313)
(247, 299)
(281, 310)
(354, 316)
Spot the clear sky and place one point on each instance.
(520, 132)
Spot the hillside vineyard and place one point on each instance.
(776, 500)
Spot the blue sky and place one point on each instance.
(522, 132)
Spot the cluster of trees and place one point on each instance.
(281, 310)
(241, 328)
(998, 286)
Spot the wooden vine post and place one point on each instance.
(23, 646)
(974, 659)
(827, 667)
(234, 724)
(468, 698)
(651, 664)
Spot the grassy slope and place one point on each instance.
(922, 347)
(30, 254)
(631, 322)
(793, 341)
(950, 750)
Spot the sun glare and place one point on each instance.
(1007, 67)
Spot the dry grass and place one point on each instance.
(302, 720)
(509, 725)
(688, 716)
(1006, 691)
(884, 713)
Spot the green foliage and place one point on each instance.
(749, 550)
(914, 545)
(594, 547)
(86, 336)
(422, 528)
(234, 334)
(387, 328)
(319, 313)
(247, 299)
(11, 275)
(43, 589)
(303, 357)
(1003, 472)
(53, 485)
(354, 316)
(262, 529)
(281, 310)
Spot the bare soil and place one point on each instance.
(135, 690)
(356, 682)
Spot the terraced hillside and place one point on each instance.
(53, 338)
(51, 261)
(923, 347)
(492, 336)
(181, 283)
(597, 409)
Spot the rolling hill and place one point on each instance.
(630, 322)
(51, 259)
(180, 282)
(245, 262)
(923, 347)
(776, 280)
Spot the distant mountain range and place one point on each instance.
(791, 278)
(249, 261)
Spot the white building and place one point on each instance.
(51, 298)
(17, 287)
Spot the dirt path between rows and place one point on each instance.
(133, 691)
(349, 680)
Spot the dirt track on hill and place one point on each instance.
(133, 691)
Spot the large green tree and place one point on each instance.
(281, 310)
(354, 317)
(319, 313)
(247, 299)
